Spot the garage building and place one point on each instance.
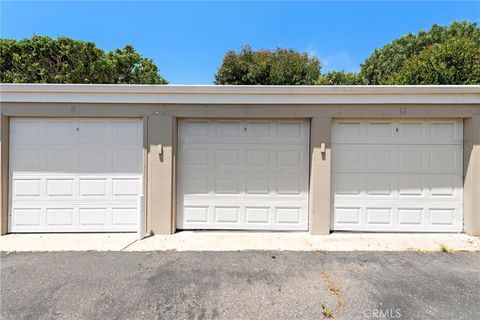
(119, 158)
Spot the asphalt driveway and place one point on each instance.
(240, 285)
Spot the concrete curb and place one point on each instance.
(240, 241)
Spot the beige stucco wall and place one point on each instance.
(319, 193)
(471, 168)
(160, 128)
(4, 134)
(160, 174)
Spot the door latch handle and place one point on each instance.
(323, 149)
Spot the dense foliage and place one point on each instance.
(43, 59)
(341, 78)
(265, 67)
(453, 62)
(441, 55)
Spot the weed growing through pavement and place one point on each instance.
(444, 248)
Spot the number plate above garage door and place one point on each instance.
(243, 174)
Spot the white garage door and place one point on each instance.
(75, 174)
(243, 175)
(397, 175)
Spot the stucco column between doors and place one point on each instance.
(4, 176)
(159, 219)
(320, 175)
(471, 168)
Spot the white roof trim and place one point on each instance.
(213, 94)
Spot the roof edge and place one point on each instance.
(215, 94)
(224, 89)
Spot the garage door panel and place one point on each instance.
(227, 186)
(96, 129)
(257, 186)
(93, 216)
(258, 215)
(59, 130)
(443, 216)
(60, 157)
(379, 216)
(192, 130)
(406, 217)
(397, 158)
(241, 132)
(227, 158)
(411, 216)
(196, 186)
(127, 131)
(290, 130)
(380, 130)
(398, 131)
(230, 214)
(290, 186)
(288, 215)
(125, 187)
(396, 187)
(84, 183)
(27, 131)
(245, 171)
(244, 159)
(412, 185)
(248, 216)
(228, 129)
(27, 158)
(127, 158)
(125, 216)
(27, 188)
(93, 158)
(27, 216)
(93, 187)
(259, 129)
(345, 216)
(227, 199)
(60, 216)
(397, 175)
(289, 159)
(258, 158)
(195, 214)
(445, 187)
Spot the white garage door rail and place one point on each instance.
(75, 175)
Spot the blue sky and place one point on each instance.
(187, 40)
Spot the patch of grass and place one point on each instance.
(444, 248)
(327, 313)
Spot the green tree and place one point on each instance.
(341, 78)
(43, 59)
(386, 65)
(265, 67)
(453, 62)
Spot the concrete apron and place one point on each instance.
(235, 241)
